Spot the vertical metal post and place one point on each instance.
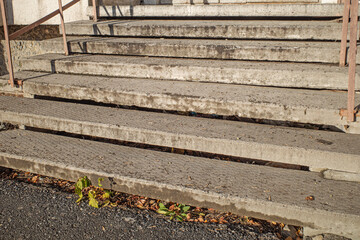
(95, 16)
(344, 33)
(66, 49)
(352, 59)
(7, 40)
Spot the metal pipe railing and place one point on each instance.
(7, 40)
(61, 13)
(350, 9)
(25, 29)
(344, 32)
(95, 15)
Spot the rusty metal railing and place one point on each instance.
(25, 29)
(350, 11)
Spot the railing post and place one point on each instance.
(7, 40)
(344, 33)
(352, 59)
(66, 49)
(95, 16)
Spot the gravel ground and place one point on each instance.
(33, 212)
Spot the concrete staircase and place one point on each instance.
(265, 94)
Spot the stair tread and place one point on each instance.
(225, 10)
(314, 148)
(232, 186)
(254, 50)
(298, 75)
(230, 42)
(307, 106)
(209, 23)
(258, 29)
(113, 59)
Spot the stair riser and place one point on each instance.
(263, 53)
(238, 10)
(315, 159)
(195, 104)
(262, 77)
(284, 32)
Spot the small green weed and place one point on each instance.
(178, 211)
(83, 186)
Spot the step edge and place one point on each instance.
(325, 160)
(344, 224)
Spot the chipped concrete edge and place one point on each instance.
(340, 175)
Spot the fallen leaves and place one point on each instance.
(123, 200)
(310, 198)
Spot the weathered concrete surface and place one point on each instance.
(295, 105)
(237, 10)
(296, 51)
(207, 2)
(114, 2)
(257, 191)
(229, 29)
(23, 48)
(6, 89)
(316, 149)
(299, 75)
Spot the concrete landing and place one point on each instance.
(298, 75)
(315, 149)
(296, 51)
(228, 29)
(256, 191)
(236, 10)
(294, 105)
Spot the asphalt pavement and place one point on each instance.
(37, 212)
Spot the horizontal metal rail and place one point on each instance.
(41, 20)
(23, 30)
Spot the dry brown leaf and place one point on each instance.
(211, 210)
(310, 198)
(35, 179)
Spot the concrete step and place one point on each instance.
(229, 10)
(257, 191)
(299, 75)
(229, 29)
(280, 104)
(215, 2)
(330, 151)
(321, 52)
(207, 2)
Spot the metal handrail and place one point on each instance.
(350, 10)
(25, 29)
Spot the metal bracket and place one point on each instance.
(344, 112)
(17, 82)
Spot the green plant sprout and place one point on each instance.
(178, 212)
